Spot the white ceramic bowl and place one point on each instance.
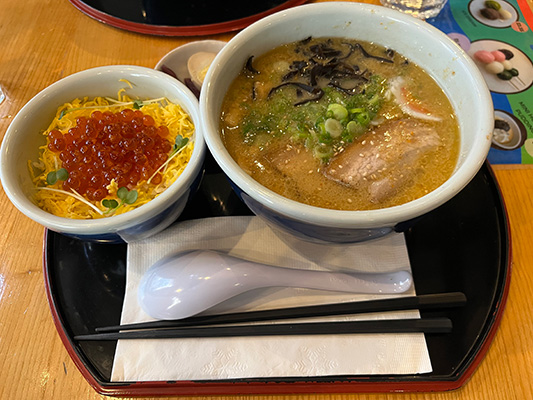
(23, 137)
(428, 47)
(176, 60)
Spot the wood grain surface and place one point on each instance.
(43, 41)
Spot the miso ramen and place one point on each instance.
(340, 124)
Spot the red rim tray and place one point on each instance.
(464, 245)
(204, 18)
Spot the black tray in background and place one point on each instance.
(181, 18)
(462, 246)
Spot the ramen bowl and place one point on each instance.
(23, 139)
(419, 42)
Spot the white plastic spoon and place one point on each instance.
(188, 283)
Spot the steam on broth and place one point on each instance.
(340, 124)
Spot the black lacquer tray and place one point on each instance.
(462, 246)
(181, 18)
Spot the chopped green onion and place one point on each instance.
(354, 129)
(337, 111)
(357, 110)
(333, 127)
(363, 118)
(323, 152)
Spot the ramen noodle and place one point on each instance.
(340, 124)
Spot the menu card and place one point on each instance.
(497, 35)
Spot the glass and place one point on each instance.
(422, 9)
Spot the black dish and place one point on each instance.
(464, 246)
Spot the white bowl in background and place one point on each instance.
(176, 60)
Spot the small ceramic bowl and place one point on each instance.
(428, 47)
(23, 138)
(176, 60)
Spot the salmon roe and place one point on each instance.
(125, 146)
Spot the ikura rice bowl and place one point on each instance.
(105, 156)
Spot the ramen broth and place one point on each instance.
(340, 124)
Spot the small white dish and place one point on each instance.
(176, 60)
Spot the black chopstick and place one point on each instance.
(428, 325)
(420, 302)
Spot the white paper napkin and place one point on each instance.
(272, 356)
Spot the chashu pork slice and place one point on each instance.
(384, 160)
(294, 162)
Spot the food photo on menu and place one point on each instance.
(497, 35)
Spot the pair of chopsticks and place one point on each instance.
(206, 326)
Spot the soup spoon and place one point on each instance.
(188, 283)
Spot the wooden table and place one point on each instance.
(43, 41)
